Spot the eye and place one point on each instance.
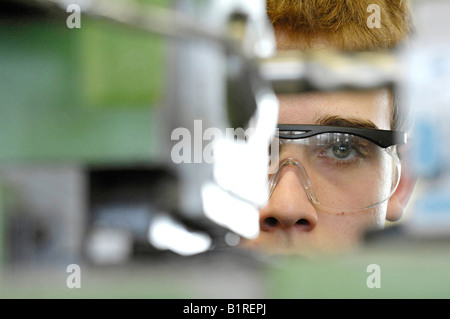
(341, 151)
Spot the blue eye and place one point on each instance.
(341, 151)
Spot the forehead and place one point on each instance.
(364, 106)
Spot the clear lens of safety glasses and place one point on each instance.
(339, 171)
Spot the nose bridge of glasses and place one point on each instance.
(303, 177)
(296, 152)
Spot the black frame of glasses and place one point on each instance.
(382, 138)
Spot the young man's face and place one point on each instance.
(291, 223)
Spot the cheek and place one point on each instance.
(352, 226)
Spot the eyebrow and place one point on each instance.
(336, 120)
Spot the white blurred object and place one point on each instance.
(167, 234)
(241, 174)
(106, 246)
(241, 167)
(231, 212)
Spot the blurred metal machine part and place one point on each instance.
(213, 76)
(296, 71)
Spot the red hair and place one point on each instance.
(340, 23)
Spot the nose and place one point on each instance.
(289, 206)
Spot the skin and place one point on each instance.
(290, 223)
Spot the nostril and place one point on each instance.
(271, 221)
(303, 222)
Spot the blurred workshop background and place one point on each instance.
(81, 147)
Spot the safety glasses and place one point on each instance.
(342, 169)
